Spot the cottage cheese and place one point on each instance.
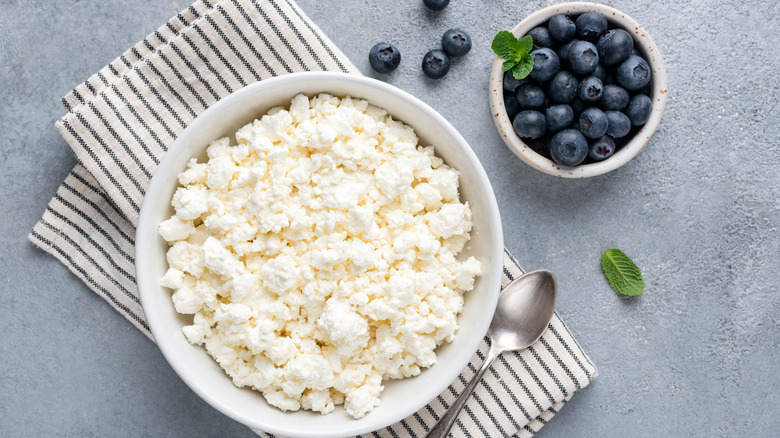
(318, 254)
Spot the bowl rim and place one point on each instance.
(147, 227)
(642, 41)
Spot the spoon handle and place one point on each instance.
(442, 428)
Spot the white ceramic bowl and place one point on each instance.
(646, 47)
(201, 373)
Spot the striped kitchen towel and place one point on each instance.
(119, 123)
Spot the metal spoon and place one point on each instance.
(524, 309)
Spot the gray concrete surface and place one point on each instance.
(698, 210)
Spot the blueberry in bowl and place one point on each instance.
(563, 87)
(583, 57)
(608, 85)
(591, 26)
(546, 64)
(590, 90)
(530, 96)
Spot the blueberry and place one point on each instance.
(583, 57)
(436, 64)
(546, 64)
(633, 73)
(590, 26)
(614, 98)
(436, 5)
(456, 42)
(530, 124)
(568, 147)
(541, 37)
(511, 105)
(602, 148)
(384, 57)
(530, 96)
(590, 90)
(618, 124)
(593, 122)
(614, 46)
(562, 87)
(639, 109)
(559, 117)
(561, 28)
(510, 83)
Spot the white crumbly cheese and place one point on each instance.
(318, 255)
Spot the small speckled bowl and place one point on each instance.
(642, 42)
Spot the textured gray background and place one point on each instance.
(698, 210)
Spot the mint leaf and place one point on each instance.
(515, 52)
(524, 67)
(507, 65)
(525, 44)
(623, 275)
(504, 44)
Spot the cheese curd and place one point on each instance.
(318, 254)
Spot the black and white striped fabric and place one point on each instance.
(119, 123)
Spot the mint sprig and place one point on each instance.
(623, 275)
(515, 52)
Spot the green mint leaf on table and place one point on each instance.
(623, 275)
(516, 53)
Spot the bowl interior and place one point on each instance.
(644, 45)
(400, 398)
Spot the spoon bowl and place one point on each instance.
(524, 310)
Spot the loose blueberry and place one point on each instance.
(602, 148)
(546, 64)
(583, 57)
(590, 26)
(562, 28)
(568, 147)
(593, 122)
(510, 83)
(541, 37)
(614, 46)
(436, 64)
(614, 98)
(384, 57)
(618, 124)
(530, 96)
(562, 87)
(639, 109)
(590, 90)
(511, 105)
(559, 117)
(530, 124)
(436, 5)
(633, 73)
(456, 42)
